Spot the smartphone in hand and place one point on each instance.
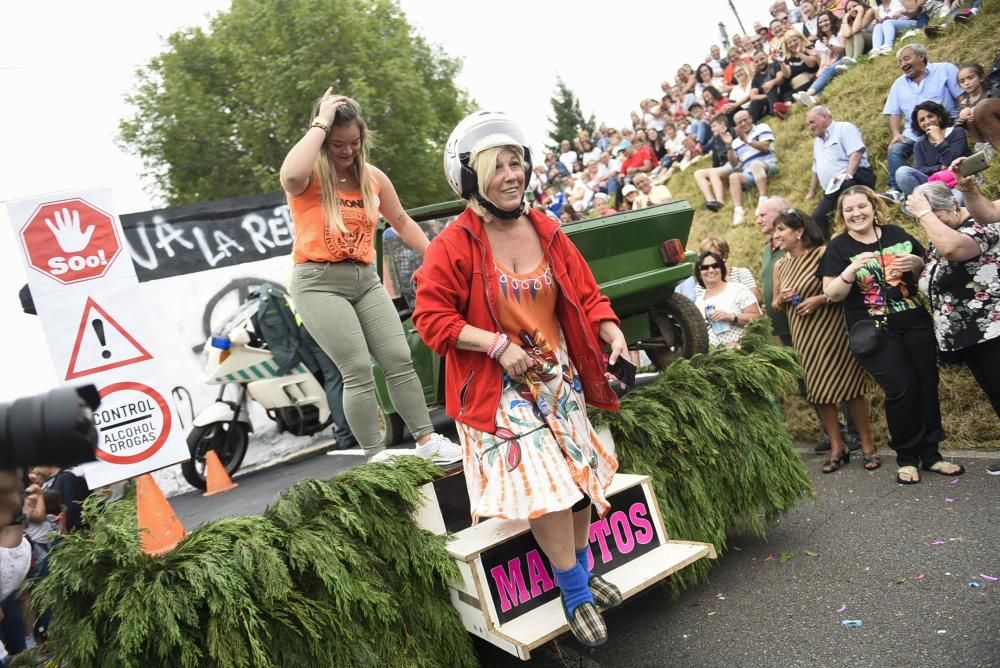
(974, 164)
(624, 371)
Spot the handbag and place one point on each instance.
(868, 337)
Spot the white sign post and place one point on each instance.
(85, 291)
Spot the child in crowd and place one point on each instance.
(972, 79)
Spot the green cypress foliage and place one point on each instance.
(709, 433)
(334, 574)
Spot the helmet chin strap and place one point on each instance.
(497, 212)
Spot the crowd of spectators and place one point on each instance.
(721, 112)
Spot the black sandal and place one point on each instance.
(871, 462)
(831, 465)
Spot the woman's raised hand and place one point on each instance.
(917, 203)
(328, 105)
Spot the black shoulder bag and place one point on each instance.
(869, 336)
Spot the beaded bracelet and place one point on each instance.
(502, 349)
(498, 340)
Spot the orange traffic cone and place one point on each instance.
(217, 480)
(160, 530)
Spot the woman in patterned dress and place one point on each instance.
(506, 298)
(819, 335)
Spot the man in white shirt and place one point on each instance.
(840, 160)
(649, 195)
(752, 160)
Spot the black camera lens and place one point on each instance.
(55, 428)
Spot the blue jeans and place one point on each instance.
(884, 34)
(899, 153)
(824, 77)
(909, 178)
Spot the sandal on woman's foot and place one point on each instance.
(871, 462)
(605, 594)
(911, 473)
(587, 625)
(939, 467)
(831, 465)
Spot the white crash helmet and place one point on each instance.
(474, 133)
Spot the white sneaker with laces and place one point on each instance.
(847, 60)
(993, 469)
(440, 450)
(738, 215)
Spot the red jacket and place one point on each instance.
(457, 286)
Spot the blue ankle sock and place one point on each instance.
(583, 558)
(574, 586)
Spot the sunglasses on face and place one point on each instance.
(706, 267)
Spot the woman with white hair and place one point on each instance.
(961, 283)
(509, 302)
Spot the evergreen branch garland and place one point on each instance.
(335, 573)
(709, 433)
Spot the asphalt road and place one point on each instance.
(901, 559)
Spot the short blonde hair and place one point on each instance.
(484, 164)
(708, 243)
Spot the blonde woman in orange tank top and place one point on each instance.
(335, 197)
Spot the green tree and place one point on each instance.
(217, 111)
(567, 117)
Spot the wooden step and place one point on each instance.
(547, 622)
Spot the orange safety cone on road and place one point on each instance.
(217, 480)
(160, 529)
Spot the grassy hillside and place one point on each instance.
(858, 96)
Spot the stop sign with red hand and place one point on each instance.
(71, 240)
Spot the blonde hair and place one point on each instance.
(708, 243)
(484, 165)
(347, 113)
(879, 209)
(789, 35)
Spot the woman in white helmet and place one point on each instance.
(335, 197)
(506, 298)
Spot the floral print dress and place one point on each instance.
(965, 296)
(544, 455)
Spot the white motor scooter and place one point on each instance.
(238, 355)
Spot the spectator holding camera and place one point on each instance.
(960, 282)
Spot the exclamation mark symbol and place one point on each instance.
(98, 326)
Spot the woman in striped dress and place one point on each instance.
(832, 374)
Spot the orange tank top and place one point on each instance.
(315, 241)
(528, 303)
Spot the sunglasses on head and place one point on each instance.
(706, 267)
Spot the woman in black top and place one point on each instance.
(873, 270)
(939, 145)
(800, 62)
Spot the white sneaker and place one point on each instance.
(805, 98)
(909, 33)
(842, 68)
(738, 215)
(440, 450)
(847, 60)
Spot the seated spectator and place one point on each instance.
(808, 25)
(890, 19)
(636, 121)
(939, 145)
(799, 62)
(840, 160)
(656, 142)
(556, 199)
(919, 81)
(794, 12)
(714, 102)
(739, 95)
(629, 194)
(972, 80)
(610, 173)
(855, 30)
(752, 160)
(580, 196)
(709, 180)
(648, 194)
(554, 170)
(673, 145)
(741, 275)
(638, 157)
(729, 71)
(568, 156)
(830, 47)
(715, 60)
(704, 76)
(698, 127)
(767, 93)
(959, 281)
(728, 307)
(602, 206)
(588, 152)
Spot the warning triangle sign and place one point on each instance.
(102, 344)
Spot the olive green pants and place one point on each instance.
(346, 309)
